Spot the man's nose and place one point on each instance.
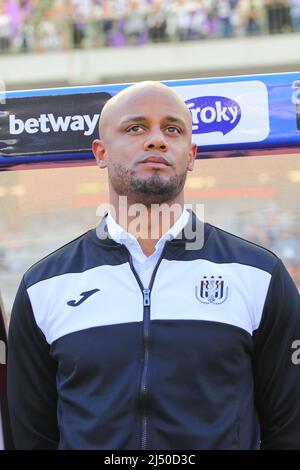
(157, 141)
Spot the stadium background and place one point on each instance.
(62, 43)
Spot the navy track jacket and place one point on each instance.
(203, 359)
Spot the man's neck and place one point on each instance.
(148, 224)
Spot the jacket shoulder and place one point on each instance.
(65, 259)
(229, 247)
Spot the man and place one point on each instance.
(160, 342)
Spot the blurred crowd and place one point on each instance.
(45, 25)
(278, 231)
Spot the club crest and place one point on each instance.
(212, 290)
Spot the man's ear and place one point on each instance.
(99, 153)
(192, 156)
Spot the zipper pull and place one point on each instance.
(146, 294)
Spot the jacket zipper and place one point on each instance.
(146, 330)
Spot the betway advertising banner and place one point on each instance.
(232, 116)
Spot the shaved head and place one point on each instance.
(111, 107)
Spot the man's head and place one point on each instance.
(145, 143)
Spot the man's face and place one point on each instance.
(146, 146)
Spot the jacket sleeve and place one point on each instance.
(32, 395)
(276, 364)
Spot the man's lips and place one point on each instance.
(155, 161)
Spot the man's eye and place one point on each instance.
(135, 128)
(173, 130)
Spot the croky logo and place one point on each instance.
(84, 297)
(211, 290)
(214, 114)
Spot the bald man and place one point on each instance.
(154, 330)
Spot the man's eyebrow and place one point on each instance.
(173, 119)
(133, 119)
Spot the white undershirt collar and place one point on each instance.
(144, 265)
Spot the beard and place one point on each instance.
(153, 189)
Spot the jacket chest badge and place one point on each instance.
(212, 290)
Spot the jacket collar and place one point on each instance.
(188, 234)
